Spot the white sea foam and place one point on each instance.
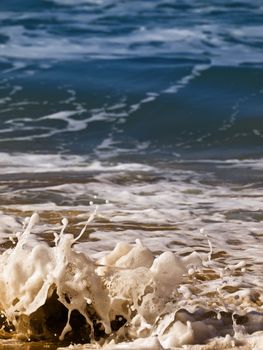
(137, 201)
(38, 163)
(196, 71)
(168, 217)
(72, 124)
(128, 294)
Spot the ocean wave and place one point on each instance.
(128, 294)
(98, 29)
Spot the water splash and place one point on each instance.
(57, 293)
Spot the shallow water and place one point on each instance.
(213, 208)
(149, 113)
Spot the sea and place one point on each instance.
(131, 174)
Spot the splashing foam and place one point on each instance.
(129, 299)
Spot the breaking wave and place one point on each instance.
(128, 298)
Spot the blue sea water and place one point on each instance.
(153, 111)
(111, 78)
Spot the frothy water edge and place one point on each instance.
(154, 302)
